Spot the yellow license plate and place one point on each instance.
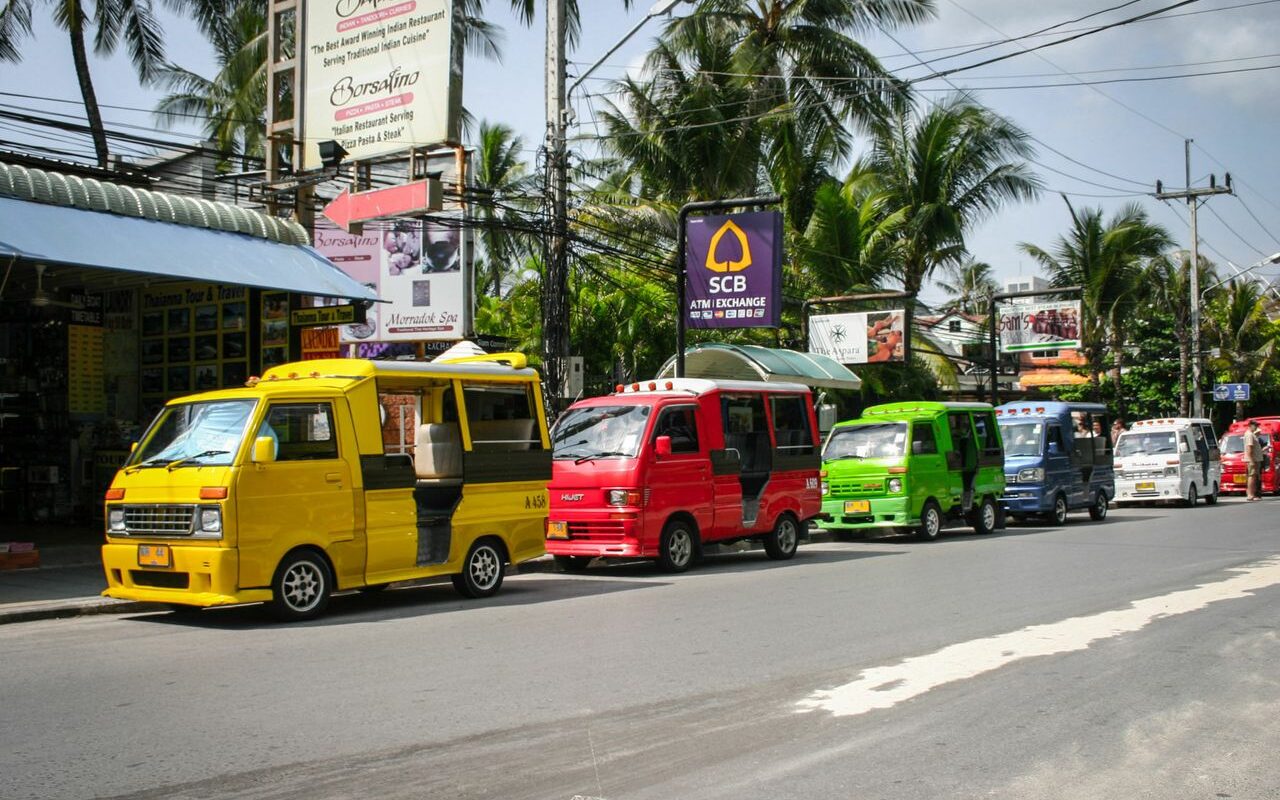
(155, 555)
(1146, 486)
(1239, 478)
(857, 506)
(557, 530)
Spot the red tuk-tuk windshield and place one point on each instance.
(600, 432)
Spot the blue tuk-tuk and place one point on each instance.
(1057, 458)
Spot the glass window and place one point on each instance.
(1055, 437)
(874, 440)
(1135, 444)
(302, 431)
(501, 417)
(987, 432)
(197, 434)
(600, 432)
(746, 430)
(922, 434)
(681, 424)
(1023, 438)
(791, 430)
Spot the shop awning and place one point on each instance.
(80, 225)
(755, 363)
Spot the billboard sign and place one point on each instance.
(419, 266)
(733, 269)
(1039, 326)
(1231, 392)
(379, 77)
(869, 337)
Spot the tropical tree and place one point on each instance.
(970, 285)
(1107, 260)
(946, 170)
(1245, 338)
(848, 243)
(111, 22)
(1168, 281)
(503, 182)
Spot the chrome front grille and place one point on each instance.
(597, 531)
(159, 520)
(856, 488)
(1141, 474)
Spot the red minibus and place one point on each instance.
(657, 469)
(1235, 470)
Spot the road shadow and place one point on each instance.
(396, 603)
(751, 560)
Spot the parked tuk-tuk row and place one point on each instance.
(297, 485)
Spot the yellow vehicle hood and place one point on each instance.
(164, 485)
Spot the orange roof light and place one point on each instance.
(619, 388)
(670, 386)
(653, 386)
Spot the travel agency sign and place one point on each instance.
(379, 76)
(733, 269)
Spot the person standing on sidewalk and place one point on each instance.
(1253, 461)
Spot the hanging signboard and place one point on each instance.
(733, 269)
(379, 76)
(419, 267)
(1039, 326)
(871, 337)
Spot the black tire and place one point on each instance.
(781, 543)
(1098, 511)
(1212, 499)
(1192, 496)
(986, 517)
(675, 551)
(482, 570)
(301, 587)
(1058, 516)
(572, 563)
(930, 527)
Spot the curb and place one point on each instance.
(62, 609)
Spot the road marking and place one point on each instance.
(885, 687)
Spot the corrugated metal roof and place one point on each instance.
(90, 194)
(753, 362)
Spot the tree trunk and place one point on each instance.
(81, 59)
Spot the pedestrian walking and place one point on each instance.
(1253, 462)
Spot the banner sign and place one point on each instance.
(871, 337)
(419, 267)
(379, 76)
(322, 315)
(733, 268)
(1040, 326)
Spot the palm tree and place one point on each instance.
(1246, 339)
(971, 286)
(847, 243)
(945, 171)
(1107, 260)
(1167, 278)
(503, 180)
(111, 22)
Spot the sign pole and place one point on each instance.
(681, 267)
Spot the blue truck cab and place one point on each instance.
(1057, 458)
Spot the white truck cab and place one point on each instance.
(1171, 458)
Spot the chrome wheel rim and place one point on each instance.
(681, 547)
(1102, 506)
(932, 523)
(988, 516)
(484, 567)
(787, 535)
(1060, 511)
(302, 586)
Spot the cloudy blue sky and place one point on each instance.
(1105, 144)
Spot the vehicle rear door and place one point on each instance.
(1059, 473)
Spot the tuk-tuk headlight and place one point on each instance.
(1031, 475)
(826, 486)
(1170, 471)
(895, 485)
(626, 497)
(115, 520)
(211, 519)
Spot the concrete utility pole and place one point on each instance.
(1192, 196)
(555, 277)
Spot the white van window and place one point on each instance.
(1150, 443)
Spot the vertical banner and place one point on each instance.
(1039, 326)
(733, 269)
(872, 337)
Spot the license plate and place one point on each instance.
(1146, 486)
(557, 530)
(857, 506)
(155, 555)
(1239, 478)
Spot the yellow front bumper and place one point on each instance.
(200, 576)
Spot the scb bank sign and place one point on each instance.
(733, 268)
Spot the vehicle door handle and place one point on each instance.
(333, 477)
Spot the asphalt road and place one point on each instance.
(1132, 658)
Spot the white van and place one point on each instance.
(1174, 458)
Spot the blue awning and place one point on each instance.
(74, 237)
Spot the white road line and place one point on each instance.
(885, 687)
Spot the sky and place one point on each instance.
(1104, 144)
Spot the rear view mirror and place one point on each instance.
(917, 448)
(662, 446)
(1182, 446)
(1054, 449)
(264, 450)
(133, 446)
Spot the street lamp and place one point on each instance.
(1274, 258)
(659, 8)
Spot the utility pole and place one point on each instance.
(555, 277)
(1192, 196)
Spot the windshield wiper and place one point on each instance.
(605, 454)
(185, 460)
(846, 455)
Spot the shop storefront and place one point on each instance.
(112, 301)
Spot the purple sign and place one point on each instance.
(733, 268)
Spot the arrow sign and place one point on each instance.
(418, 197)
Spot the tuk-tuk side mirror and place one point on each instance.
(662, 446)
(264, 450)
(1054, 449)
(132, 447)
(1182, 446)
(917, 447)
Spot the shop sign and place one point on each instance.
(1039, 326)
(323, 315)
(379, 76)
(320, 343)
(871, 337)
(733, 268)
